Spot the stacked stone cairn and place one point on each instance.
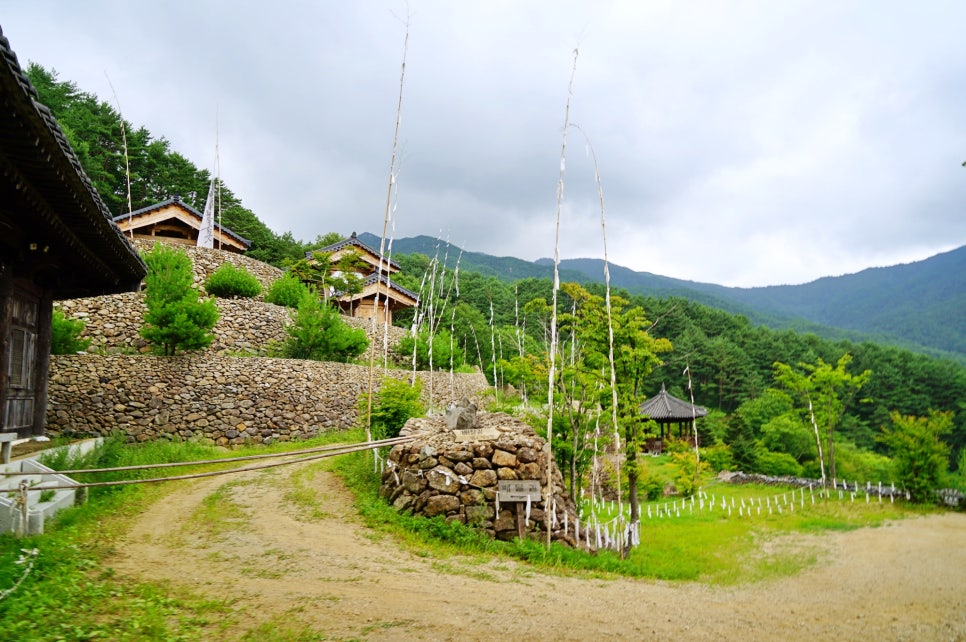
(454, 468)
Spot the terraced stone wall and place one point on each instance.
(219, 399)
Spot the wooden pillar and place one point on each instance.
(6, 293)
(42, 366)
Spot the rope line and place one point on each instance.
(376, 444)
(331, 452)
(27, 556)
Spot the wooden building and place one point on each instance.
(175, 222)
(57, 241)
(379, 296)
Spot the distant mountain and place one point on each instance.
(919, 305)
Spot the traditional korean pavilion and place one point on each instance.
(175, 222)
(667, 410)
(380, 296)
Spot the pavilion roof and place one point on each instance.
(665, 407)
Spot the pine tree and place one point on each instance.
(176, 317)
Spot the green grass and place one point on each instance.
(707, 546)
(69, 595)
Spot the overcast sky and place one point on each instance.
(739, 143)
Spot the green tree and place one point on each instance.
(918, 451)
(446, 353)
(176, 317)
(65, 334)
(318, 333)
(393, 404)
(584, 379)
(825, 391)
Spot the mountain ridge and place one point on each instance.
(919, 305)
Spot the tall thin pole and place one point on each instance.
(127, 165)
(548, 495)
(385, 225)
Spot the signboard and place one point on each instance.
(518, 490)
(476, 434)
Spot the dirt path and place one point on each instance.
(239, 537)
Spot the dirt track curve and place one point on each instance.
(332, 575)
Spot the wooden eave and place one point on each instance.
(52, 221)
(173, 212)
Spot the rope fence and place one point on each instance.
(28, 556)
(321, 453)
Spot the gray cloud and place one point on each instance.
(744, 144)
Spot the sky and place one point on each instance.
(739, 143)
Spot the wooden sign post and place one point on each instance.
(517, 491)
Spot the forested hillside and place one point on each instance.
(157, 172)
(918, 305)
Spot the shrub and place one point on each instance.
(318, 333)
(65, 335)
(718, 457)
(287, 290)
(230, 281)
(918, 451)
(688, 469)
(392, 405)
(778, 464)
(176, 318)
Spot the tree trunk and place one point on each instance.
(632, 483)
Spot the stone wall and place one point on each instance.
(439, 475)
(215, 396)
(217, 399)
(113, 324)
(206, 260)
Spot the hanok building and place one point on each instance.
(666, 410)
(175, 222)
(57, 241)
(379, 296)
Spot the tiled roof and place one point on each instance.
(666, 407)
(176, 200)
(91, 254)
(392, 284)
(354, 241)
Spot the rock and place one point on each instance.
(439, 504)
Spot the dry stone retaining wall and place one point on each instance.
(216, 399)
(113, 324)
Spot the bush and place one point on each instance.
(718, 457)
(287, 290)
(393, 404)
(853, 463)
(318, 333)
(229, 281)
(65, 335)
(176, 318)
(778, 464)
(919, 453)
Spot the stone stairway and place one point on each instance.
(42, 502)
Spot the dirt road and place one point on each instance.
(248, 538)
